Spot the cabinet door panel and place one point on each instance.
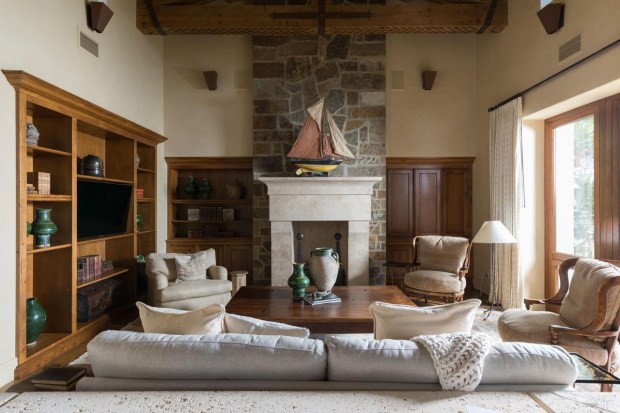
(400, 251)
(427, 188)
(239, 257)
(180, 248)
(456, 202)
(400, 203)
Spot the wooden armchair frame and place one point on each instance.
(594, 329)
(415, 264)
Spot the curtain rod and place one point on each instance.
(503, 102)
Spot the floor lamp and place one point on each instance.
(493, 232)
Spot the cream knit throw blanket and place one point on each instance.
(458, 358)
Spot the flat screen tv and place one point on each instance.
(102, 208)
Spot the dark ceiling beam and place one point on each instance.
(336, 19)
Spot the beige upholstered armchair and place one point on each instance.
(588, 320)
(165, 288)
(439, 267)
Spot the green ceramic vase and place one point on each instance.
(43, 227)
(204, 189)
(298, 280)
(36, 317)
(190, 188)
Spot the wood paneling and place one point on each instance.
(400, 203)
(425, 196)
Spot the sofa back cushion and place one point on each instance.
(407, 362)
(441, 253)
(239, 324)
(580, 306)
(125, 354)
(397, 321)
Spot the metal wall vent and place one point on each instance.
(569, 48)
(89, 44)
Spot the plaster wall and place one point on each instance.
(517, 58)
(438, 122)
(41, 37)
(203, 122)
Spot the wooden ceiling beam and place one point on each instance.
(155, 17)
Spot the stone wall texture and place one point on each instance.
(290, 73)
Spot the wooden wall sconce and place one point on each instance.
(552, 17)
(98, 15)
(428, 78)
(211, 79)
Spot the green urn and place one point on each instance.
(43, 227)
(36, 317)
(298, 280)
(190, 188)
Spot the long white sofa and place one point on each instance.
(125, 360)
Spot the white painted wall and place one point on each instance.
(41, 37)
(199, 121)
(519, 57)
(437, 122)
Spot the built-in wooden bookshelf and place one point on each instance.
(230, 236)
(71, 128)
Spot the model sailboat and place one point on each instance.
(319, 148)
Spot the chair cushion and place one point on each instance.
(533, 327)
(442, 253)
(402, 322)
(194, 289)
(166, 265)
(436, 281)
(191, 267)
(238, 324)
(580, 306)
(208, 320)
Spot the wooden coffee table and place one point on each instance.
(349, 316)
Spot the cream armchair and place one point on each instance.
(439, 267)
(164, 291)
(589, 315)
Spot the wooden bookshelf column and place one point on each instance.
(71, 128)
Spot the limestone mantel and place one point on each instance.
(345, 199)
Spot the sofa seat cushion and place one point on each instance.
(407, 362)
(193, 289)
(533, 326)
(125, 354)
(436, 281)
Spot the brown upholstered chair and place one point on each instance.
(439, 267)
(589, 314)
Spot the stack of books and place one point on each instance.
(329, 298)
(58, 378)
(89, 268)
(211, 213)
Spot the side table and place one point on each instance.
(239, 279)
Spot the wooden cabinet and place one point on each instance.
(425, 196)
(69, 129)
(221, 220)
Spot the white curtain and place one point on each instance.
(505, 170)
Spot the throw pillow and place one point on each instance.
(191, 267)
(402, 322)
(208, 320)
(248, 325)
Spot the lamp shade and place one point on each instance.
(493, 232)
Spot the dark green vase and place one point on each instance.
(298, 280)
(204, 189)
(190, 188)
(43, 228)
(35, 320)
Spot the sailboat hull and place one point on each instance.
(316, 165)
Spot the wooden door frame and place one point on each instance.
(553, 259)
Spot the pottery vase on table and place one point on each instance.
(298, 280)
(324, 265)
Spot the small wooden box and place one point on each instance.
(95, 299)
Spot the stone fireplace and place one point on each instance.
(291, 73)
(341, 200)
